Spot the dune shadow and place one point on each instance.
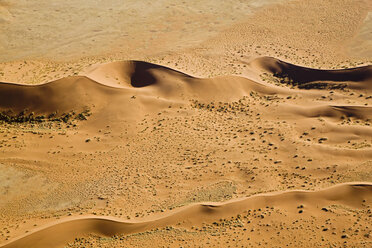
(309, 78)
(143, 73)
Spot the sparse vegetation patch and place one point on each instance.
(30, 117)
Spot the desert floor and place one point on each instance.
(186, 123)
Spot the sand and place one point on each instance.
(242, 124)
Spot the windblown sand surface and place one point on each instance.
(239, 125)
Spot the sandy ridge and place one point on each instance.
(59, 233)
(108, 83)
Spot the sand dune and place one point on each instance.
(171, 83)
(114, 83)
(58, 234)
(355, 78)
(110, 82)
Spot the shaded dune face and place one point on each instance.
(64, 95)
(142, 73)
(141, 76)
(361, 77)
(58, 234)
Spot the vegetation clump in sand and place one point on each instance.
(30, 117)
